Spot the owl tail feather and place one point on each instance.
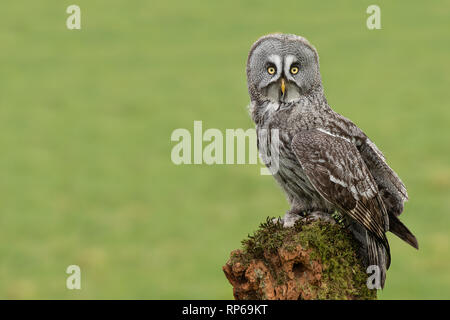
(401, 231)
(377, 256)
(373, 252)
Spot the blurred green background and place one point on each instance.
(86, 118)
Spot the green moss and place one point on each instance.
(270, 236)
(343, 275)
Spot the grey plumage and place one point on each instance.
(326, 162)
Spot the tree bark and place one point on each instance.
(312, 260)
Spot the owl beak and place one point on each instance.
(283, 86)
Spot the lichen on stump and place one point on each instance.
(312, 260)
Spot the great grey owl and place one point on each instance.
(326, 163)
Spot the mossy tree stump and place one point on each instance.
(312, 260)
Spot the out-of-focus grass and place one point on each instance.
(86, 118)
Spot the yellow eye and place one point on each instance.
(294, 70)
(271, 70)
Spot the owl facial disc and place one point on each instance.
(282, 68)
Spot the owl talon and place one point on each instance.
(319, 215)
(288, 220)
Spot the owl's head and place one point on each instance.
(282, 68)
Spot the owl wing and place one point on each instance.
(391, 188)
(390, 185)
(336, 170)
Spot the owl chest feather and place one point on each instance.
(288, 171)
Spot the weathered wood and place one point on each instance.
(312, 260)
